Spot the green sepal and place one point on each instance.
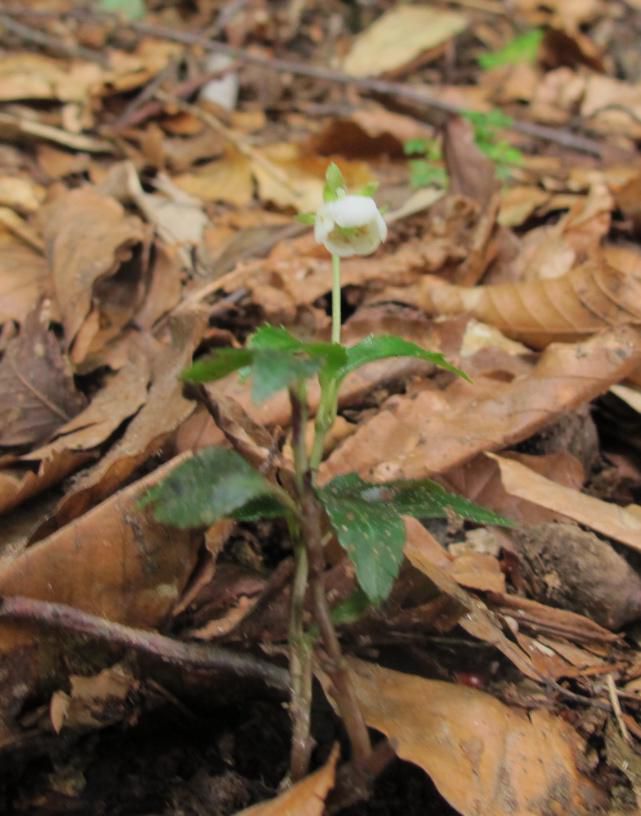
(335, 186)
(308, 218)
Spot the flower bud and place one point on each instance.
(350, 225)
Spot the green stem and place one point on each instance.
(336, 299)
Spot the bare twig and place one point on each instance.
(419, 96)
(186, 655)
(49, 43)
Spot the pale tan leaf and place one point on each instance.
(23, 277)
(35, 76)
(305, 798)
(486, 759)
(609, 519)
(400, 37)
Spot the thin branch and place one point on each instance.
(560, 136)
(50, 43)
(185, 655)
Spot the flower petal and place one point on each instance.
(352, 210)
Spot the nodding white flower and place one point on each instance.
(351, 225)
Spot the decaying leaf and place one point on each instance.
(37, 391)
(485, 758)
(89, 241)
(23, 277)
(415, 436)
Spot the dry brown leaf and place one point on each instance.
(305, 798)
(612, 106)
(35, 76)
(163, 412)
(37, 391)
(23, 276)
(432, 432)
(480, 481)
(20, 128)
(485, 758)
(399, 38)
(21, 194)
(610, 519)
(591, 297)
(93, 702)
(96, 564)
(518, 202)
(226, 179)
(89, 240)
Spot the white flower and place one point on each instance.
(351, 225)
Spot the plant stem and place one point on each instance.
(346, 699)
(336, 299)
(300, 652)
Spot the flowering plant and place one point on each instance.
(366, 519)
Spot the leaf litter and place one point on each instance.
(147, 196)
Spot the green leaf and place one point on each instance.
(381, 346)
(213, 484)
(277, 338)
(369, 189)
(367, 520)
(272, 371)
(335, 186)
(415, 147)
(219, 365)
(264, 507)
(372, 533)
(351, 609)
(524, 48)
(308, 218)
(425, 174)
(130, 9)
(424, 498)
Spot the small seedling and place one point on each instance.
(524, 48)
(428, 170)
(365, 518)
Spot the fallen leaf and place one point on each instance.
(23, 277)
(486, 759)
(590, 297)
(164, 410)
(305, 798)
(226, 179)
(35, 76)
(89, 240)
(93, 702)
(37, 390)
(400, 37)
(432, 432)
(610, 519)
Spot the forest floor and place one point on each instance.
(153, 159)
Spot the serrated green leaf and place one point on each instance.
(213, 484)
(272, 371)
(335, 186)
(130, 9)
(372, 534)
(524, 48)
(415, 147)
(217, 366)
(380, 346)
(424, 173)
(424, 498)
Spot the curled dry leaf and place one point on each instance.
(89, 240)
(431, 432)
(305, 798)
(93, 702)
(37, 391)
(164, 410)
(589, 298)
(486, 759)
(121, 396)
(610, 519)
